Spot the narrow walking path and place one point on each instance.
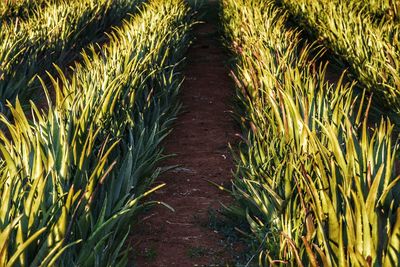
(200, 141)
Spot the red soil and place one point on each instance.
(200, 141)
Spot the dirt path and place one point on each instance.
(199, 140)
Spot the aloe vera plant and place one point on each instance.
(72, 177)
(316, 185)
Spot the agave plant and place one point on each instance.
(316, 185)
(72, 176)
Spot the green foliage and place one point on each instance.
(316, 184)
(21, 9)
(387, 10)
(370, 49)
(72, 177)
(29, 47)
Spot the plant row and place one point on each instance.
(371, 51)
(29, 47)
(16, 9)
(386, 10)
(71, 178)
(314, 184)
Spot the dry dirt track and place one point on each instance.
(199, 140)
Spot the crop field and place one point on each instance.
(316, 180)
(199, 133)
(72, 176)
